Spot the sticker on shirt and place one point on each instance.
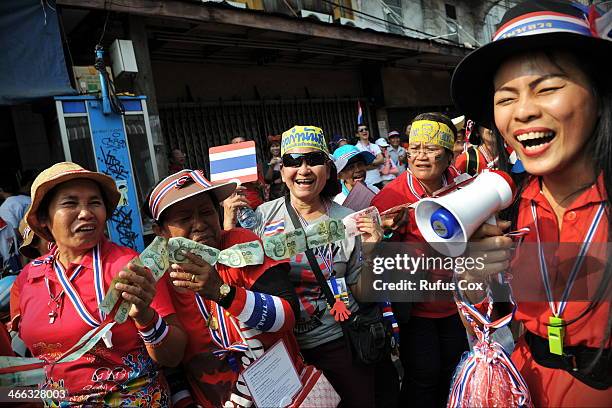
(339, 288)
(274, 227)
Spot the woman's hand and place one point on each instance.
(275, 160)
(198, 276)
(231, 206)
(138, 288)
(371, 231)
(494, 251)
(395, 217)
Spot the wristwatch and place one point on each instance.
(224, 290)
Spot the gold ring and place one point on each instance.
(193, 277)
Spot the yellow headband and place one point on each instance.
(303, 136)
(432, 132)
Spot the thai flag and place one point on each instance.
(274, 227)
(359, 114)
(236, 161)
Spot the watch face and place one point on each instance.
(224, 289)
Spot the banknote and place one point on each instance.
(350, 221)
(177, 246)
(23, 378)
(284, 246)
(324, 232)
(243, 254)
(155, 257)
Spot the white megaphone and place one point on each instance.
(448, 222)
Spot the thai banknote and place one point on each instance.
(177, 247)
(284, 246)
(350, 221)
(244, 254)
(33, 376)
(324, 232)
(154, 257)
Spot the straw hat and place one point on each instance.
(60, 173)
(27, 236)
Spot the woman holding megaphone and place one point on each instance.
(541, 86)
(431, 333)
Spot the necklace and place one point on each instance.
(211, 321)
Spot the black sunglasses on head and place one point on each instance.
(312, 159)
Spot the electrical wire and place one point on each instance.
(115, 102)
(385, 21)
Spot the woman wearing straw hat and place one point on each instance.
(542, 87)
(212, 302)
(60, 296)
(312, 184)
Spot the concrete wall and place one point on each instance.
(411, 88)
(209, 82)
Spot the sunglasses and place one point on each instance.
(312, 159)
(363, 130)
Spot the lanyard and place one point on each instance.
(74, 297)
(412, 188)
(326, 255)
(220, 337)
(557, 309)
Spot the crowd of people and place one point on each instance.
(537, 104)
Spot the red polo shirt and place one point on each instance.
(126, 370)
(212, 379)
(550, 387)
(406, 189)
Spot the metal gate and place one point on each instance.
(194, 127)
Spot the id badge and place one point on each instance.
(339, 289)
(556, 332)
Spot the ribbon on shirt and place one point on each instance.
(221, 336)
(557, 309)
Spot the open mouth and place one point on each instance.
(304, 182)
(86, 229)
(535, 140)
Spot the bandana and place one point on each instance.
(432, 132)
(303, 136)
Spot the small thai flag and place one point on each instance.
(274, 227)
(236, 161)
(359, 114)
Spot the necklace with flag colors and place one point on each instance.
(556, 325)
(73, 296)
(219, 332)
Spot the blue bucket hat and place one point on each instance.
(347, 154)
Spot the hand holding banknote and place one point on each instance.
(137, 286)
(198, 276)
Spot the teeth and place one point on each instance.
(528, 148)
(534, 135)
(304, 181)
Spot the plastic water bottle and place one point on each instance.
(247, 218)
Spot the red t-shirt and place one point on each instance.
(212, 379)
(550, 387)
(406, 189)
(126, 370)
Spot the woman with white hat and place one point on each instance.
(60, 297)
(540, 84)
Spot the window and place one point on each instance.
(451, 22)
(451, 12)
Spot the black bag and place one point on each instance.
(368, 333)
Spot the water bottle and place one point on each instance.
(247, 218)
